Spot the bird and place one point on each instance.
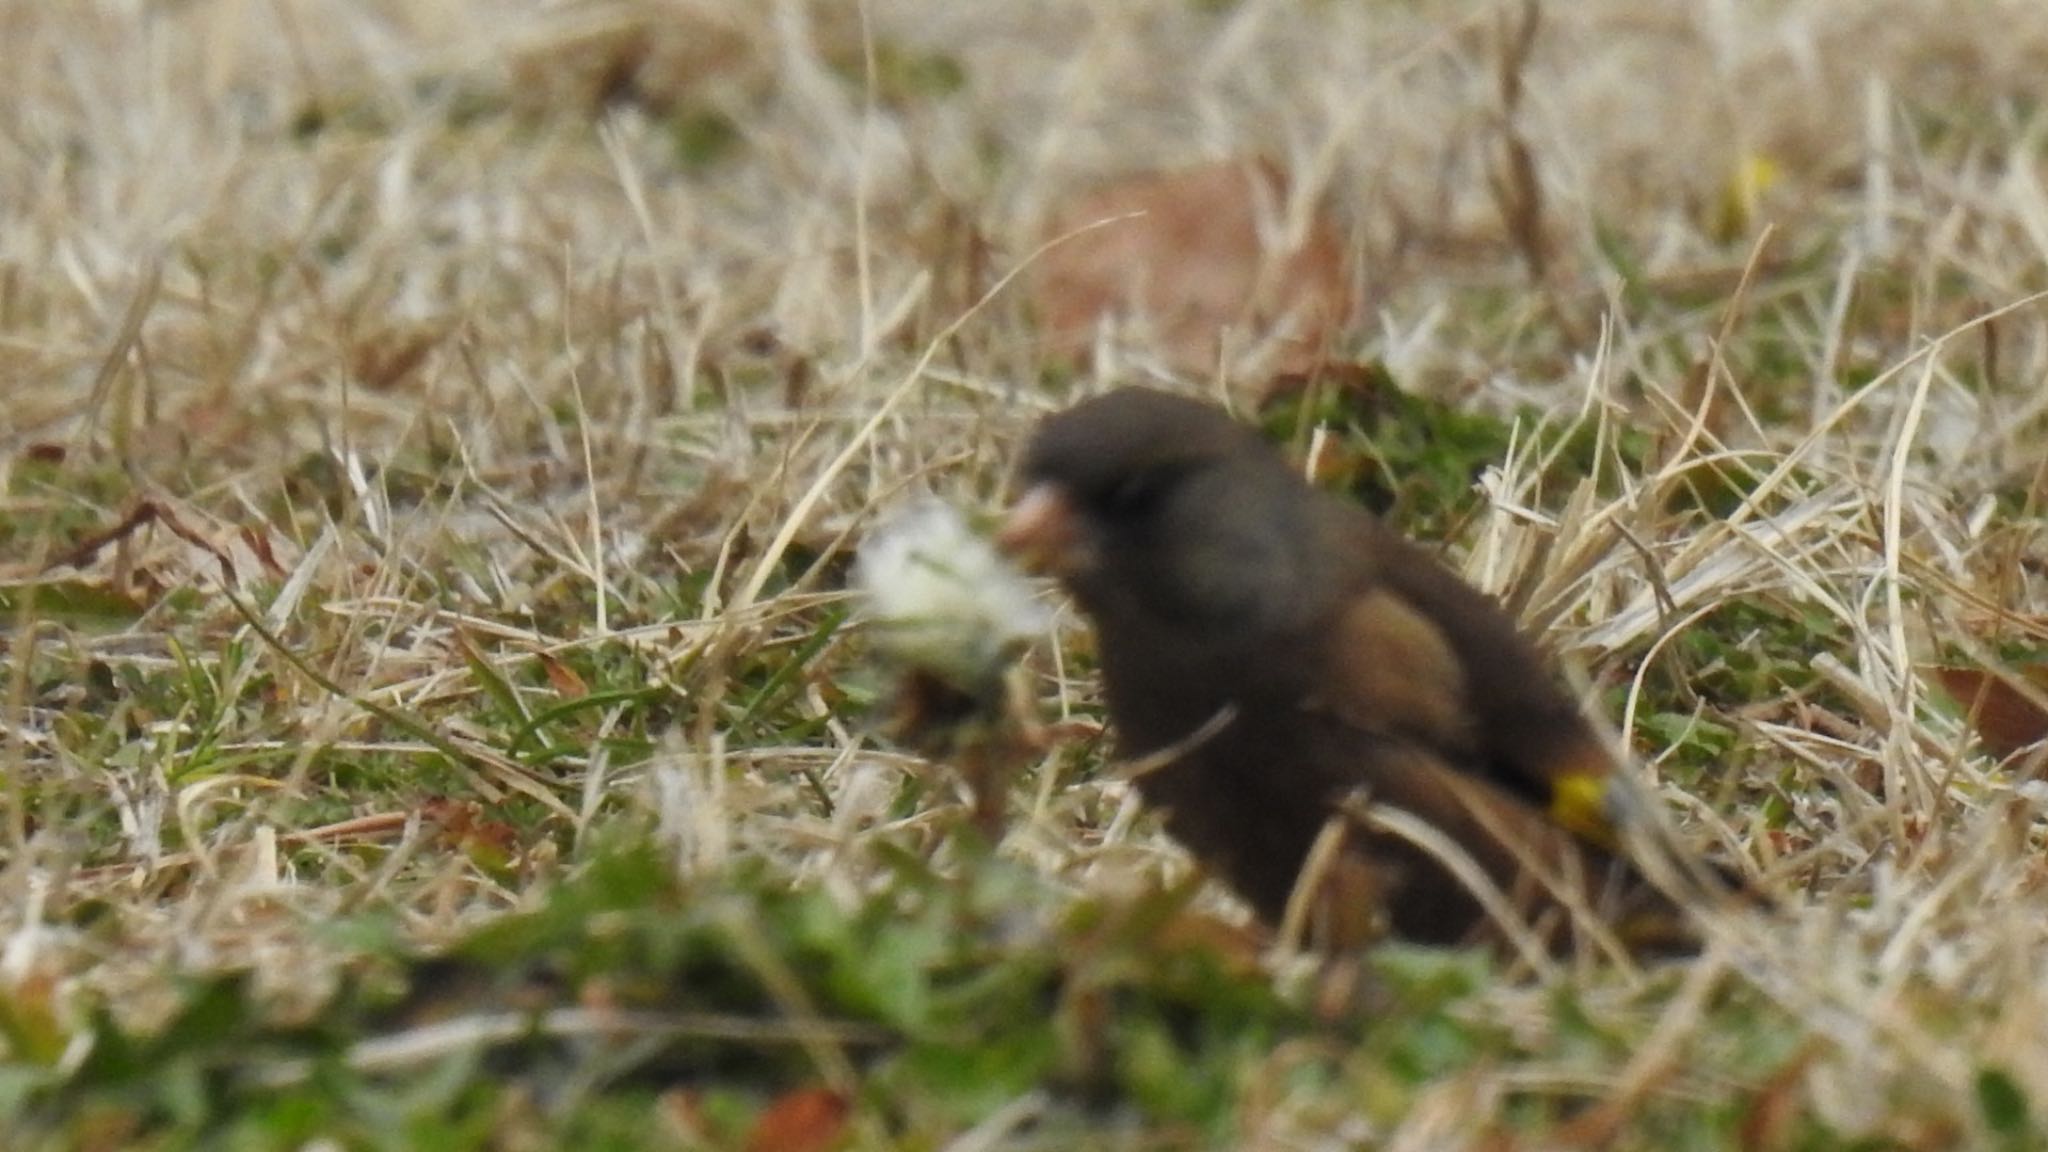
(1278, 665)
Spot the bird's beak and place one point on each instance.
(1043, 533)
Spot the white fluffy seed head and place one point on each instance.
(941, 597)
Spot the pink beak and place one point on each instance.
(1043, 533)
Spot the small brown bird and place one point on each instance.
(1279, 664)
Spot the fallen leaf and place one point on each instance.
(564, 679)
(2004, 719)
(1196, 258)
(806, 1120)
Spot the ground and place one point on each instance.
(436, 434)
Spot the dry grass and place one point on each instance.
(466, 379)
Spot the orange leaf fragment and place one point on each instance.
(1198, 257)
(806, 1120)
(567, 684)
(2005, 719)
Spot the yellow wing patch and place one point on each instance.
(1578, 804)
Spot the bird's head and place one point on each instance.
(1162, 504)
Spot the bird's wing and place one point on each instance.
(1528, 868)
(1392, 672)
(1415, 654)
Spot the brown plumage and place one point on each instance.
(1272, 653)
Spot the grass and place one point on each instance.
(435, 435)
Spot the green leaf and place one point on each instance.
(2003, 1103)
(493, 682)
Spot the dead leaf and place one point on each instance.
(567, 684)
(2004, 718)
(1196, 257)
(806, 1120)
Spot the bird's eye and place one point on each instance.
(1134, 494)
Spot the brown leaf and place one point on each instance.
(806, 1120)
(1197, 256)
(2004, 718)
(567, 684)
